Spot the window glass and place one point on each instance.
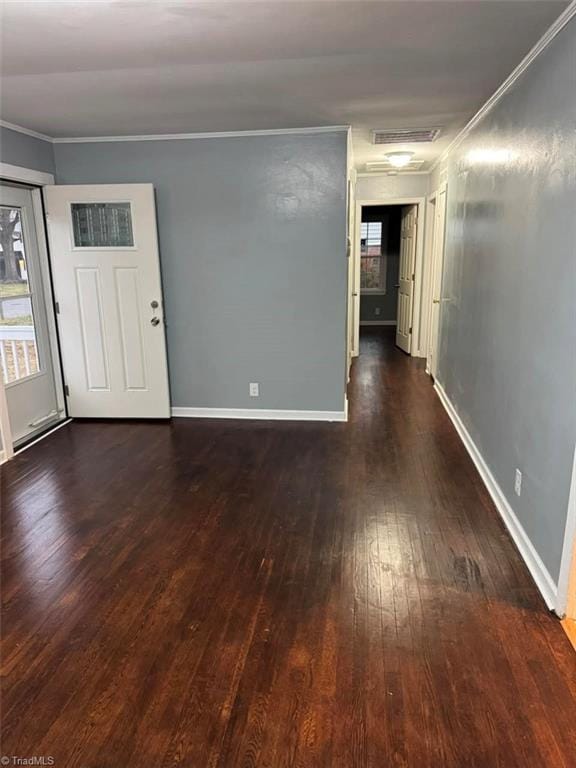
(371, 259)
(18, 349)
(371, 276)
(13, 271)
(102, 225)
(371, 236)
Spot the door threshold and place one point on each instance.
(37, 439)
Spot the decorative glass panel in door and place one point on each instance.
(102, 225)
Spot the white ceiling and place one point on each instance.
(112, 67)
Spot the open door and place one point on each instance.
(29, 363)
(106, 271)
(406, 277)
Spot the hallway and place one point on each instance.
(236, 593)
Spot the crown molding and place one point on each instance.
(175, 136)
(565, 17)
(204, 135)
(26, 131)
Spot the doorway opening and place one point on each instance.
(389, 253)
(29, 358)
(379, 264)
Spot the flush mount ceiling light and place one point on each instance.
(399, 159)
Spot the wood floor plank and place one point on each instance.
(269, 595)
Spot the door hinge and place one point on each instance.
(410, 330)
(413, 276)
(57, 307)
(67, 390)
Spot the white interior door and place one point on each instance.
(106, 270)
(406, 277)
(437, 267)
(28, 351)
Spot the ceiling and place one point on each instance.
(123, 67)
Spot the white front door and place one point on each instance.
(406, 276)
(28, 351)
(106, 270)
(437, 267)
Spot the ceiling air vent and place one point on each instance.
(405, 135)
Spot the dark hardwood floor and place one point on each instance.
(211, 593)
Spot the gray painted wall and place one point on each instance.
(27, 151)
(253, 249)
(387, 302)
(507, 356)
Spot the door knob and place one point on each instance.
(435, 301)
(155, 321)
(154, 304)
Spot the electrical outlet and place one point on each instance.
(518, 482)
(254, 389)
(377, 311)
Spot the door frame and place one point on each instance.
(431, 202)
(418, 317)
(431, 245)
(352, 305)
(38, 179)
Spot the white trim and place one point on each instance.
(44, 435)
(260, 413)
(44, 258)
(568, 561)
(26, 131)
(26, 175)
(430, 274)
(428, 266)
(203, 135)
(540, 574)
(378, 322)
(530, 57)
(386, 201)
(173, 136)
(5, 428)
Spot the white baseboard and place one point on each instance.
(538, 570)
(261, 414)
(377, 322)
